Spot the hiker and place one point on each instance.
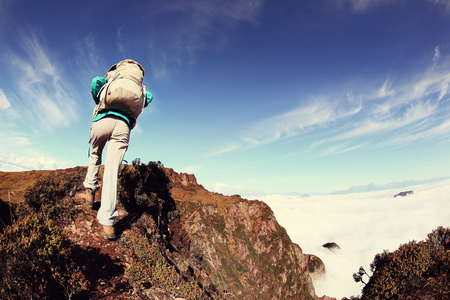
(120, 97)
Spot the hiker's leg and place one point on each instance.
(100, 134)
(117, 146)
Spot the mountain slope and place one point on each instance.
(202, 246)
(248, 253)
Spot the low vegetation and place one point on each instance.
(36, 257)
(37, 262)
(51, 195)
(145, 188)
(149, 267)
(417, 270)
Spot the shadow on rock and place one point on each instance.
(145, 188)
(100, 270)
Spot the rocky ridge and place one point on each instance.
(249, 254)
(231, 247)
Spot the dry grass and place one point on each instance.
(14, 184)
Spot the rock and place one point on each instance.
(316, 267)
(328, 298)
(403, 194)
(331, 246)
(231, 247)
(183, 178)
(237, 246)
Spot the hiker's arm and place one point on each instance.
(149, 98)
(96, 85)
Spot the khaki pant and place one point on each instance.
(116, 132)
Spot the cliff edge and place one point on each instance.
(191, 244)
(243, 249)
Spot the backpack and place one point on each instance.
(123, 91)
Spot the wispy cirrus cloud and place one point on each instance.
(120, 46)
(392, 114)
(410, 114)
(228, 148)
(361, 6)
(195, 25)
(36, 102)
(15, 137)
(320, 112)
(370, 127)
(4, 103)
(42, 94)
(440, 130)
(88, 56)
(445, 3)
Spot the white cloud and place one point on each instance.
(385, 90)
(412, 114)
(437, 54)
(19, 140)
(361, 6)
(45, 98)
(120, 40)
(433, 85)
(4, 103)
(41, 61)
(441, 130)
(195, 25)
(228, 148)
(316, 114)
(342, 148)
(206, 11)
(362, 224)
(393, 113)
(13, 140)
(11, 162)
(445, 3)
(7, 167)
(88, 57)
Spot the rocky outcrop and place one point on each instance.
(316, 267)
(332, 246)
(181, 178)
(237, 246)
(403, 194)
(229, 247)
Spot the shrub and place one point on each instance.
(36, 262)
(146, 188)
(48, 194)
(6, 214)
(416, 268)
(149, 267)
(142, 187)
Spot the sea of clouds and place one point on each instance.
(362, 224)
(14, 163)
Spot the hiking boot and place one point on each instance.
(90, 197)
(110, 232)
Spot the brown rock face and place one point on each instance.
(237, 246)
(229, 247)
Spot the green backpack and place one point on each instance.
(123, 91)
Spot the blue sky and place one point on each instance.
(250, 96)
